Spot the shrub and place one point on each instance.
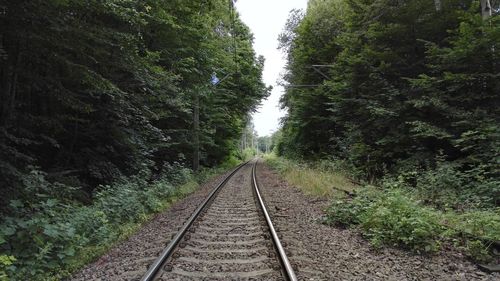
(6, 265)
(393, 217)
(121, 203)
(450, 185)
(92, 224)
(416, 209)
(344, 213)
(398, 220)
(41, 236)
(326, 179)
(347, 212)
(477, 250)
(480, 224)
(474, 231)
(246, 154)
(388, 218)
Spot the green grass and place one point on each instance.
(327, 182)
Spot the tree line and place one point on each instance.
(405, 88)
(95, 90)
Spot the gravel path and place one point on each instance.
(320, 252)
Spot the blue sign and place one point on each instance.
(214, 79)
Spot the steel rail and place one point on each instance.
(168, 251)
(288, 269)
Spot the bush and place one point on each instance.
(393, 217)
(388, 218)
(417, 209)
(92, 224)
(449, 185)
(6, 265)
(246, 154)
(397, 219)
(344, 213)
(41, 237)
(347, 212)
(121, 204)
(474, 231)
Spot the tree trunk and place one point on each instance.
(486, 10)
(251, 141)
(9, 83)
(196, 132)
(245, 138)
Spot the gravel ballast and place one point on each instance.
(321, 252)
(316, 251)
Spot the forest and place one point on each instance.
(111, 110)
(104, 106)
(404, 96)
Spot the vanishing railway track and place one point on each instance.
(230, 236)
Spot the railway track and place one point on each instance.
(230, 236)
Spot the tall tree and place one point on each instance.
(407, 85)
(95, 90)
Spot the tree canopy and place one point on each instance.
(95, 90)
(395, 86)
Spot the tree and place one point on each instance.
(92, 91)
(406, 87)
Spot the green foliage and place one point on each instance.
(96, 116)
(403, 84)
(324, 179)
(448, 185)
(95, 91)
(397, 219)
(474, 232)
(394, 217)
(347, 212)
(483, 225)
(6, 263)
(247, 154)
(478, 250)
(46, 235)
(344, 213)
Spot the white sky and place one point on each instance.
(266, 19)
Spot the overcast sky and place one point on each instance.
(266, 19)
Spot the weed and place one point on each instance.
(330, 182)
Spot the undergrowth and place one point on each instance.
(421, 216)
(395, 217)
(48, 236)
